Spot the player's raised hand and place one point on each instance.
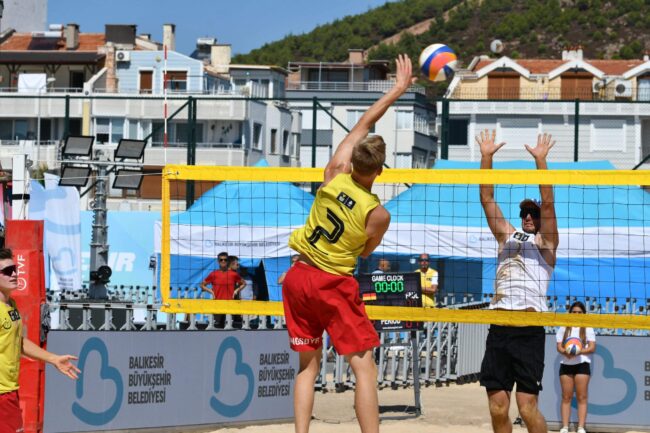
(544, 144)
(486, 142)
(404, 74)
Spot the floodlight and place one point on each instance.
(78, 145)
(128, 179)
(130, 149)
(73, 175)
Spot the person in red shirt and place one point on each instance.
(225, 284)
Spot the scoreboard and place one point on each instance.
(394, 290)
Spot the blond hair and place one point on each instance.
(368, 156)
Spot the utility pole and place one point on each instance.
(99, 240)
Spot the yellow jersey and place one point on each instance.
(427, 279)
(335, 233)
(11, 336)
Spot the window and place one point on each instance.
(181, 132)
(20, 129)
(422, 123)
(607, 134)
(353, 119)
(643, 89)
(325, 75)
(274, 135)
(458, 132)
(285, 143)
(518, 131)
(108, 130)
(257, 136)
(102, 130)
(404, 119)
(133, 129)
(6, 129)
(177, 81)
(117, 130)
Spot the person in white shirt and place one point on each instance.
(575, 370)
(527, 256)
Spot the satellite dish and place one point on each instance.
(496, 46)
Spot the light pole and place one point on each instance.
(38, 122)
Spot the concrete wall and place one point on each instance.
(24, 15)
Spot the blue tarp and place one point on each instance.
(266, 207)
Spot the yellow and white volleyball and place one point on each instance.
(438, 62)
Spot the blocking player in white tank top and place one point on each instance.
(526, 260)
(527, 255)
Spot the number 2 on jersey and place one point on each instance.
(333, 236)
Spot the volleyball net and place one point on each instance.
(603, 257)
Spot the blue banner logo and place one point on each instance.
(106, 372)
(241, 369)
(611, 372)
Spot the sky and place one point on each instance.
(245, 24)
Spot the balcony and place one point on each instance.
(347, 86)
(528, 94)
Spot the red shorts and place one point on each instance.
(315, 301)
(11, 417)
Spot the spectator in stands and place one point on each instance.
(294, 259)
(383, 266)
(224, 282)
(428, 280)
(13, 344)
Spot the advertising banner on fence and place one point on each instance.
(619, 388)
(165, 379)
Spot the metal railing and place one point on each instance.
(555, 94)
(339, 86)
(199, 144)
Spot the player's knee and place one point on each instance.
(528, 411)
(581, 397)
(499, 409)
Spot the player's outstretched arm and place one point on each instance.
(500, 228)
(548, 223)
(340, 162)
(61, 362)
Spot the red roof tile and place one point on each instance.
(26, 42)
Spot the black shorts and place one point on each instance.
(582, 368)
(514, 355)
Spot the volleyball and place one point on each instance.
(573, 346)
(438, 62)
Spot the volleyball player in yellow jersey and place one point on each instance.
(319, 292)
(13, 344)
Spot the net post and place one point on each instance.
(314, 135)
(576, 131)
(191, 148)
(165, 252)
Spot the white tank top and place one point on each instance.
(522, 275)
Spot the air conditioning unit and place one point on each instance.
(623, 88)
(597, 86)
(123, 56)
